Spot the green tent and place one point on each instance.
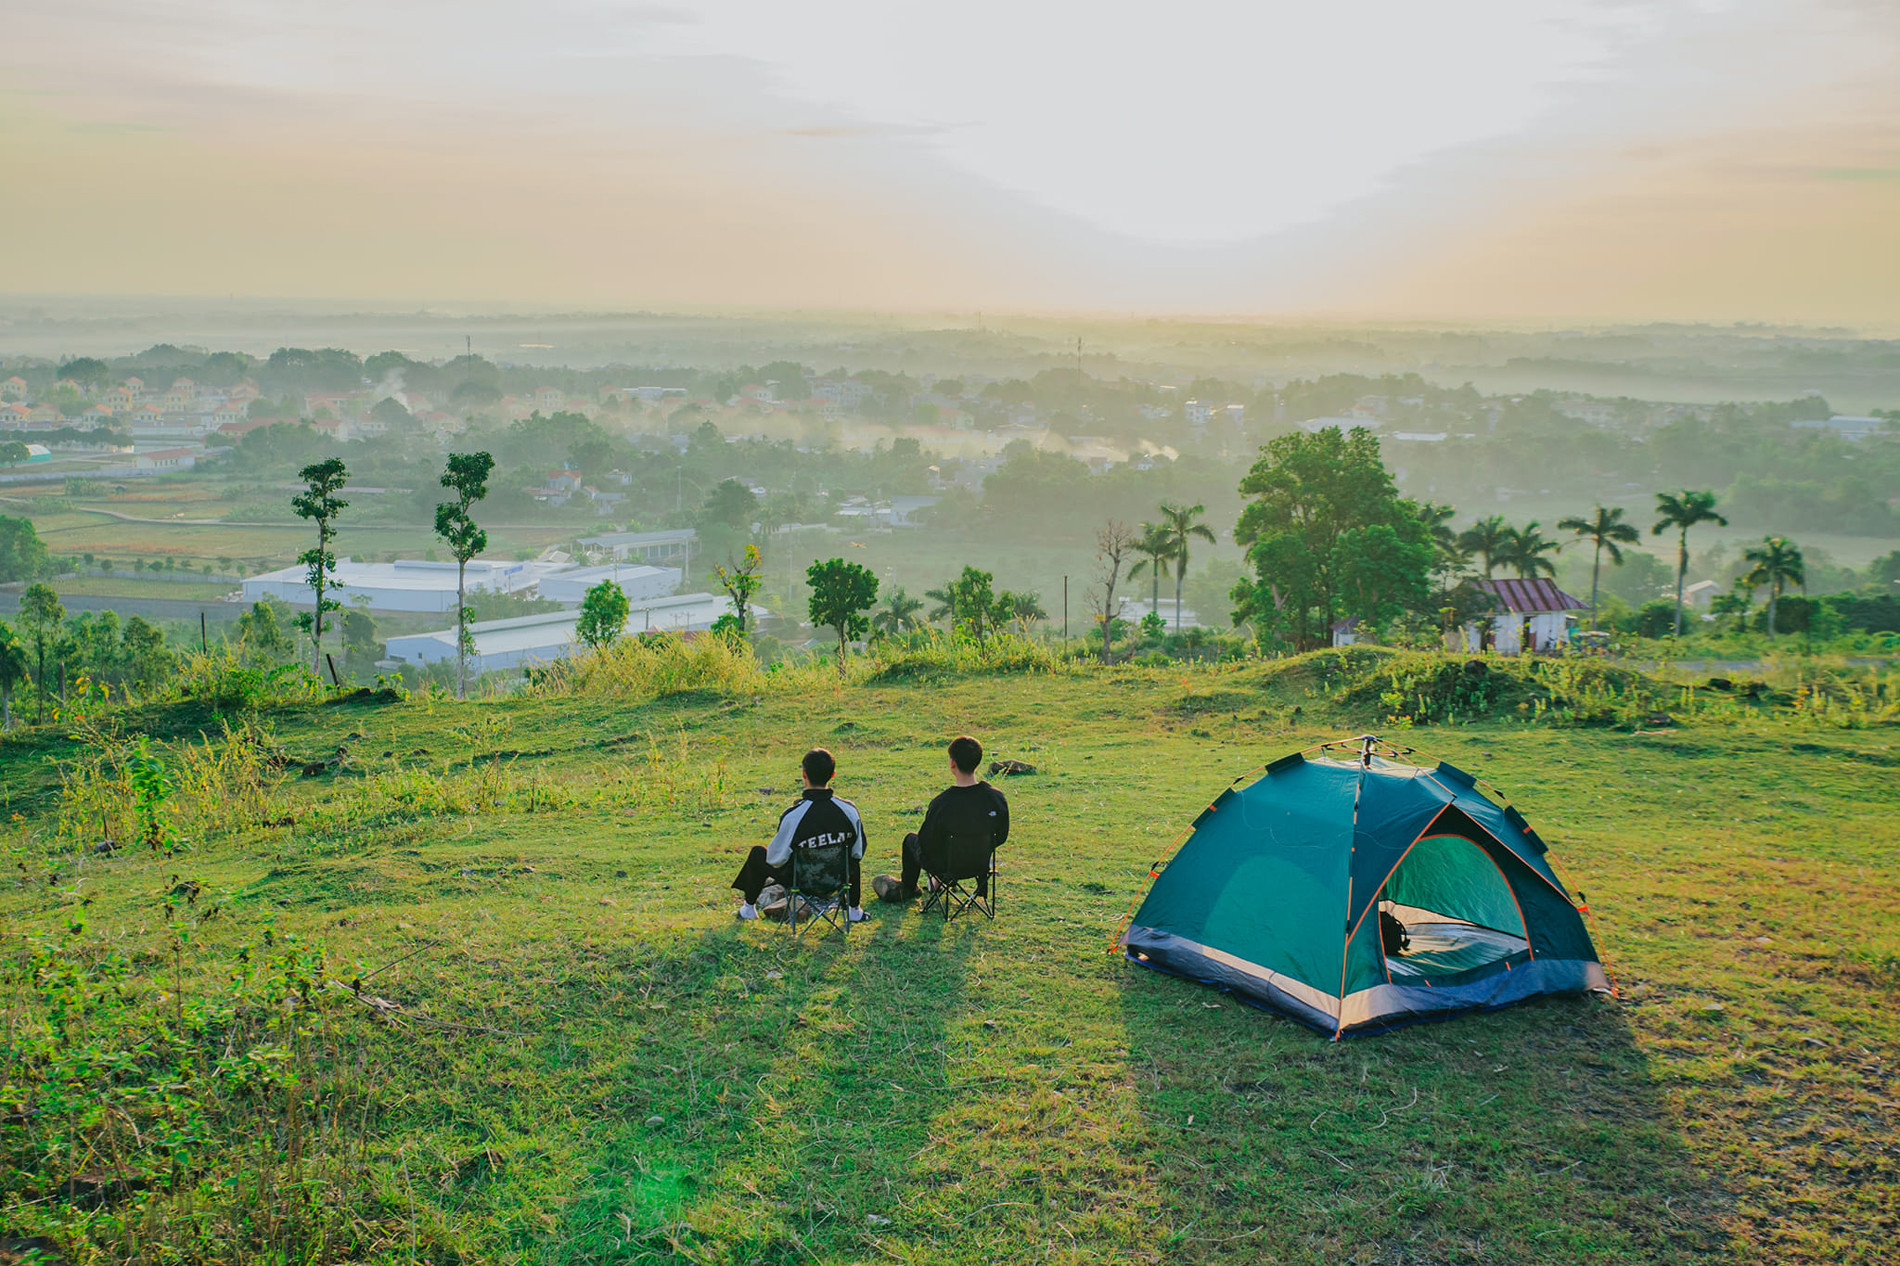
(1356, 893)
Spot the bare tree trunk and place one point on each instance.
(1682, 571)
(1596, 569)
(461, 627)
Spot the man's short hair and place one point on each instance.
(966, 753)
(818, 766)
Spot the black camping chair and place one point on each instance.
(965, 859)
(821, 878)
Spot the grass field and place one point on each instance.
(532, 1031)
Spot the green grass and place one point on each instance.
(981, 1092)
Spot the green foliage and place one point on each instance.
(742, 579)
(319, 503)
(23, 556)
(1322, 503)
(1679, 512)
(730, 504)
(841, 593)
(465, 475)
(603, 615)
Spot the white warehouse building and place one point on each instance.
(569, 587)
(407, 585)
(541, 639)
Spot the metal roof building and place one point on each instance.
(543, 638)
(409, 585)
(636, 581)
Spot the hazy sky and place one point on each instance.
(1460, 158)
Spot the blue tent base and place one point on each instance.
(1370, 1011)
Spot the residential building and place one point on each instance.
(13, 388)
(1851, 429)
(167, 459)
(1531, 615)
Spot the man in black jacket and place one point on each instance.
(819, 820)
(968, 807)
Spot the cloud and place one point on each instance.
(1470, 157)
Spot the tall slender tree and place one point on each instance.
(1680, 511)
(1607, 534)
(1489, 539)
(1113, 544)
(319, 503)
(41, 612)
(1776, 563)
(466, 475)
(1179, 525)
(1525, 551)
(1155, 551)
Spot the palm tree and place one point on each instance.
(898, 615)
(1178, 525)
(1683, 511)
(945, 599)
(1022, 609)
(1777, 562)
(1437, 521)
(1605, 530)
(1488, 539)
(1155, 551)
(1524, 550)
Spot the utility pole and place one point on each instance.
(1065, 608)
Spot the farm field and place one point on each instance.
(531, 1031)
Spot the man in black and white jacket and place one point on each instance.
(818, 820)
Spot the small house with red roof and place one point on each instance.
(1528, 615)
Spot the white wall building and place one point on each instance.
(408, 585)
(636, 581)
(1531, 615)
(544, 638)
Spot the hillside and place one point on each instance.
(405, 979)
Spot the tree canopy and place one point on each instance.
(1327, 536)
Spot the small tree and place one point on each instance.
(319, 503)
(841, 593)
(12, 672)
(976, 602)
(466, 475)
(740, 581)
(603, 615)
(41, 612)
(1114, 543)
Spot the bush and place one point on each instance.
(653, 665)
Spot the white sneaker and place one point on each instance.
(747, 911)
(855, 914)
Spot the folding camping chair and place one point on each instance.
(818, 886)
(965, 858)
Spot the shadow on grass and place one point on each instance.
(792, 1082)
(1532, 1134)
